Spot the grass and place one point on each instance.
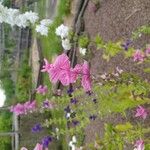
(24, 79)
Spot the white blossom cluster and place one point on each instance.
(82, 50)
(72, 143)
(14, 17)
(42, 28)
(63, 32)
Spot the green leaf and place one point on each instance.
(124, 127)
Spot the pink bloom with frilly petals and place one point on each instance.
(30, 106)
(19, 109)
(147, 52)
(75, 72)
(86, 80)
(60, 70)
(141, 112)
(139, 145)
(42, 89)
(38, 147)
(46, 67)
(138, 56)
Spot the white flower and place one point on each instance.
(72, 143)
(21, 21)
(68, 115)
(43, 30)
(62, 31)
(66, 44)
(74, 140)
(82, 50)
(3, 13)
(32, 17)
(12, 15)
(46, 22)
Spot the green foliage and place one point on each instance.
(145, 29)
(7, 3)
(83, 41)
(5, 126)
(99, 42)
(119, 136)
(24, 82)
(110, 49)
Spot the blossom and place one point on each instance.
(38, 147)
(147, 52)
(75, 122)
(47, 104)
(46, 67)
(60, 70)
(74, 101)
(72, 143)
(42, 89)
(141, 112)
(86, 80)
(18, 109)
(21, 21)
(126, 44)
(21, 109)
(138, 56)
(75, 72)
(12, 15)
(46, 141)
(37, 128)
(43, 30)
(66, 44)
(93, 117)
(32, 17)
(82, 51)
(95, 100)
(139, 145)
(46, 22)
(30, 105)
(62, 31)
(70, 91)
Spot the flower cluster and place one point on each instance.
(14, 17)
(139, 145)
(63, 32)
(140, 55)
(72, 143)
(21, 109)
(61, 71)
(37, 128)
(42, 89)
(42, 28)
(141, 112)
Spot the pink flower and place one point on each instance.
(19, 109)
(138, 56)
(46, 66)
(86, 80)
(38, 147)
(60, 70)
(139, 145)
(42, 89)
(141, 112)
(147, 52)
(30, 105)
(75, 72)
